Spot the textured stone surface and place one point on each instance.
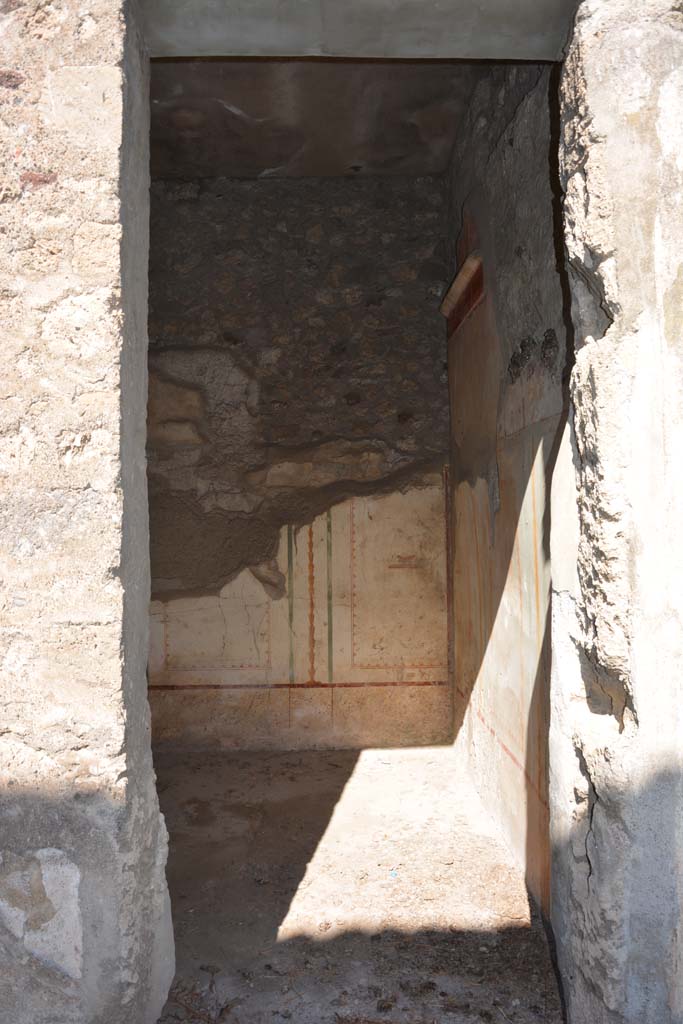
(617, 769)
(506, 362)
(84, 919)
(297, 357)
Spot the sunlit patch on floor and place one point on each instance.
(330, 887)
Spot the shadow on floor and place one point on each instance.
(385, 978)
(325, 888)
(243, 829)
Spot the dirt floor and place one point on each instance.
(343, 888)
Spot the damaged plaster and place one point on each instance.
(297, 358)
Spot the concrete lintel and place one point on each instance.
(488, 30)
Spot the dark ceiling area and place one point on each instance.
(316, 118)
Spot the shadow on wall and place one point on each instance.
(633, 900)
(510, 357)
(494, 724)
(296, 360)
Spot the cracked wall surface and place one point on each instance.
(297, 358)
(506, 362)
(85, 933)
(617, 769)
(298, 402)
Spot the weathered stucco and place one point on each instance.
(616, 752)
(298, 399)
(506, 361)
(297, 357)
(85, 931)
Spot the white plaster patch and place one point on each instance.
(670, 118)
(61, 939)
(635, 90)
(39, 904)
(86, 104)
(80, 325)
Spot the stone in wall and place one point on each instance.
(297, 357)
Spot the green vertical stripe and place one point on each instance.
(290, 597)
(330, 666)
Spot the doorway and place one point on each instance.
(345, 563)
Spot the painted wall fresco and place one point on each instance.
(353, 653)
(501, 588)
(507, 356)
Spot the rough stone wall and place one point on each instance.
(297, 357)
(617, 778)
(85, 932)
(506, 362)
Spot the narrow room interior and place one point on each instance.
(357, 350)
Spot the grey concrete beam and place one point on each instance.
(484, 29)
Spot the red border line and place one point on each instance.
(311, 607)
(515, 760)
(468, 301)
(292, 686)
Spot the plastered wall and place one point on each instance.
(351, 653)
(506, 357)
(296, 358)
(298, 398)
